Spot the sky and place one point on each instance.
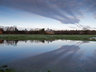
(53, 14)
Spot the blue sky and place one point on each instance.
(54, 14)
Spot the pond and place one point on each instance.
(53, 55)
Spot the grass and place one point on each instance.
(49, 71)
(45, 37)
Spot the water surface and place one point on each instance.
(56, 55)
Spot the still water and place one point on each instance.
(56, 55)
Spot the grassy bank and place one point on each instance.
(44, 37)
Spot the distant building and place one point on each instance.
(1, 31)
(49, 31)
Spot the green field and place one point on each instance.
(45, 37)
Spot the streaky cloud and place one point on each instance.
(65, 11)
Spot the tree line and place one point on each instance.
(15, 30)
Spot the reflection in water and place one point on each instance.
(1, 41)
(9, 42)
(41, 56)
(67, 58)
(15, 42)
(41, 41)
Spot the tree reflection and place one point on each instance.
(1, 41)
(15, 42)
